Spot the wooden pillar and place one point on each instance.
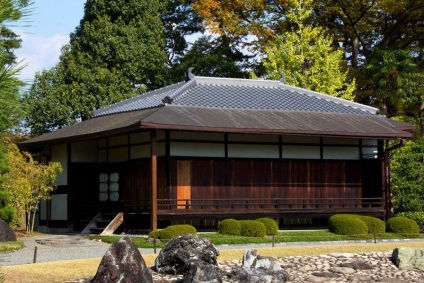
(387, 196)
(154, 181)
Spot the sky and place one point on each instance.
(49, 27)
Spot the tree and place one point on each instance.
(390, 72)
(407, 172)
(116, 52)
(10, 10)
(180, 21)
(357, 25)
(28, 182)
(11, 111)
(212, 57)
(305, 56)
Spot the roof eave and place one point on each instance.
(76, 138)
(148, 125)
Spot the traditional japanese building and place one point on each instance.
(213, 148)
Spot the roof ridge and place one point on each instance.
(258, 109)
(183, 89)
(98, 112)
(331, 98)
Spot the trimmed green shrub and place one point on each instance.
(173, 231)
(229, 227)
(347, 224)
(374, 224)
(154, 234)
(402, 225)
(270, 225)
(417, 216)
(252, 228)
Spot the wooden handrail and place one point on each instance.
(271, 203)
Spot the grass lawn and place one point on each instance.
(11, 246)
(281, 237)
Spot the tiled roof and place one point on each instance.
(239, 94)
(144, 101)
(234, 105)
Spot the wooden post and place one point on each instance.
(154, 179)
(35, 255)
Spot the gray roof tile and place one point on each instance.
(239, 94)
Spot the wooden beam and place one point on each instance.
(154, 181)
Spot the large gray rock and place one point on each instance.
(408, 258)
(199, 271)
(252, 260)
(6, 233)
(258, 269)
(122, 262)
(181, 250)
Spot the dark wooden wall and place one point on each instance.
(221, 179)
(239, 178)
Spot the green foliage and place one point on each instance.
(214, 58)
(402, 225)
(154, 234)
(11, 111)
(375, 225)
(116, 52)
(28, 182)
(270, 225)
(389, 70)
(347, 224)
(172, 231)
(306, 57)
(407, 169)
(229, 227)
(252, 228)
(417, 216)
(7, 212)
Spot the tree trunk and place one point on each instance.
(355, 52)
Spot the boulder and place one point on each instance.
(252, 260)
(357, 265)
(122, 262)
(181, 250)
(258, 269)
(408, 258)
(198, 271)
(6, 233)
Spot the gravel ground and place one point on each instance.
(56, 248)
(69, 247)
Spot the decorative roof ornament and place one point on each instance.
(167, 100)
(283, 78)
(190, 75)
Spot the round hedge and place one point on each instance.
(375, 225)
(252, 228)
(173, 231)
(347, 224)
(229, 227)
(154, 234)
(417, 216)
(270, 225)
(402, 225)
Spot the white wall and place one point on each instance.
(59, 207)
(197, 149)
(301, 152)
(253, 151)
(60, 154)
